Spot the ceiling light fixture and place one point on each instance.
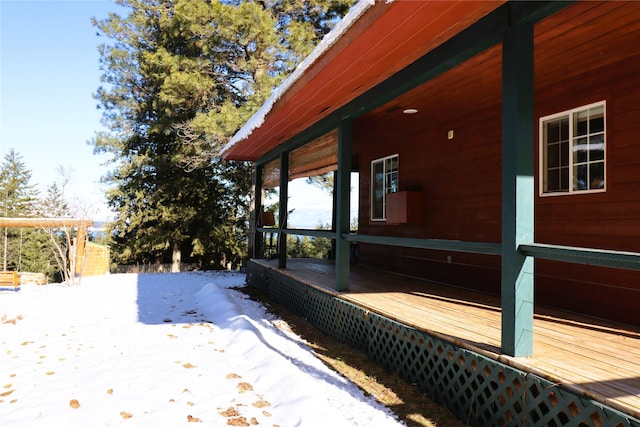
(410, 111)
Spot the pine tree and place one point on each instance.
(180, 77)
(18, 198)
(54, 205)
(17, 194)
(37, 255)
(40, 247)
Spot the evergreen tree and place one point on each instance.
(18, 198)
(40, 249)
(180, 77)
(309, 247)
(54, 205)
(17, 194)
(37, 254)
(323, 182)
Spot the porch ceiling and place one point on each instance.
(574, 41)
(387, 38)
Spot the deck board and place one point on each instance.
(593, 357)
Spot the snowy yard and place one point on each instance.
(163, 350)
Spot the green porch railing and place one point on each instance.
(577, 255)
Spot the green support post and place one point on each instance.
(256, 251)
(282, 213)
(342, 189)
(517, 190)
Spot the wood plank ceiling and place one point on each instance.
(577, 40)
(384, 40)
(580, 38)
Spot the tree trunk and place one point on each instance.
(6, 238)
(176, 258)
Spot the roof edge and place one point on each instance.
(325, 44)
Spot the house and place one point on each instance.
(495, 145)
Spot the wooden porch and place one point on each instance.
(588, 357)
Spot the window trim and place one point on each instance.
(384, 193)
(542, 153)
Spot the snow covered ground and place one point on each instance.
(163, 350)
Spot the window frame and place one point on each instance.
(570, 116)
(382, 160)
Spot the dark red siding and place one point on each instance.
(461, 182)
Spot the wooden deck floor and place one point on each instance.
(594, 358)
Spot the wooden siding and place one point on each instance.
(608, 220)
(599, 59)
(97, 260)
(455, 200)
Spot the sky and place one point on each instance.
(49, 71)
(164, 350)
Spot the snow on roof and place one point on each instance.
(327, 42)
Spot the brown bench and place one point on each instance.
(9, 279)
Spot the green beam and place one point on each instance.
(328, 234)
(466, 44)
(342, 189)
(586, 256)
(531, 12)
(435, 244)
(257, 210)
(517, 286)
(282, 213)
(478, 37)
(475, 39)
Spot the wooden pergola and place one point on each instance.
(81, 224)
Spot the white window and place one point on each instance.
(384, 180)
(573, 150)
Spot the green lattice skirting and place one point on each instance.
(477, 389)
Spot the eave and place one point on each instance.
(384, 37)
